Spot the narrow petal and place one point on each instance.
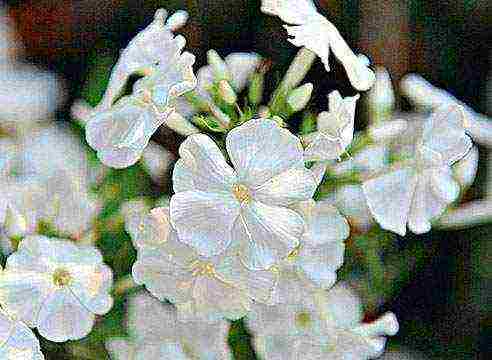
(267, 234)
(389, 198)
(204, 220)
(259, 150)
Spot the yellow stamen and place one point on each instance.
(241, 193)
(62, 277)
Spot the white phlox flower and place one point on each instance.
(326, 327)
(312, 30)
(155, 333)
(216, 205)
(315, 262)
(202, 288)
(120, 132)
(46, 176)
(17, 341)
(422, 187)
(56, 286)
(335, 129)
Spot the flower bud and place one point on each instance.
(15, 223)
(179, 124)
(256, 87)
(219, 67)
(177, 20)
(299, 98)
(223, 119)
(227, 93)
(381, 97)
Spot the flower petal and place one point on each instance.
(259, 150)
(444, 133)
(202, 166)
(63, 318)
(241, 66)
(389, 198)
(267, 234)
(293, 185)
(204, 220)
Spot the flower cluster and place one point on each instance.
(261, 212)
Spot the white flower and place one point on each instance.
(215, 204)
(56, 286)
(422, 188)
(120, 132)
(315, 262)
(313, 31)
(335, 129)
(17, 341)
(322, 326)
(322, 249)
(206, 288)
(152, 50)
(156, 333)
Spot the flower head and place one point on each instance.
(422, 188)
(56, 286)
(324, 325)
(216, 205)
(120, 132)
(206, 288)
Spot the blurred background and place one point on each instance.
(443, 295)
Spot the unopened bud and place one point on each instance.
(15, 223)
(179, 124)
(227, 93)
(299, 98)
(177, 20)
(219, 67)
(223, 119)
(256, 88)
(381, 97)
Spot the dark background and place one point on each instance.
(444, 303)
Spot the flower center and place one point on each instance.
(303, 320)
(241, 193)
(61, 277)
(200, 268)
